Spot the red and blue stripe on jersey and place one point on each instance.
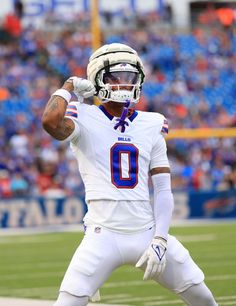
(165, 127)
(71, 111)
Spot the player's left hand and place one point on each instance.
(154, 257)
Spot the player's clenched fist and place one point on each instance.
(154, 257)
(82, 87)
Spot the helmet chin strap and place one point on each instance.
(121, 121)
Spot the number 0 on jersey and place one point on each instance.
(124, 165)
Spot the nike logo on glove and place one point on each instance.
(153, 259)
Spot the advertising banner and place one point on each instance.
(212, 204)
(31, 212)
(39, 8)
(38, 12)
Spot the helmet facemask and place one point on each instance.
(119, 83)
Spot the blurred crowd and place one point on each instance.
(190, 78)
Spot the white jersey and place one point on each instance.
(115, 166)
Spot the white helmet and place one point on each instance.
(115, 62)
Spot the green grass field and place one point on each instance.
(33, 265)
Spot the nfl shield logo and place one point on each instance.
(97, 230)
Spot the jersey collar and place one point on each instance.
(131, 117)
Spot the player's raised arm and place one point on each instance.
(53, 119)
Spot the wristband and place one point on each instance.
(160, 238)
(63, 93)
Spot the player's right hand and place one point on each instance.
(82, 87)
(154, 258)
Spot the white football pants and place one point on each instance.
(102, 251)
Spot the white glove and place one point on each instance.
(154, 257)
(82, 87)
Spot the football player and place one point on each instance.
(117, 148)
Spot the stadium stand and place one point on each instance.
(191, 79)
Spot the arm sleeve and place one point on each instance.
(163, 203)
